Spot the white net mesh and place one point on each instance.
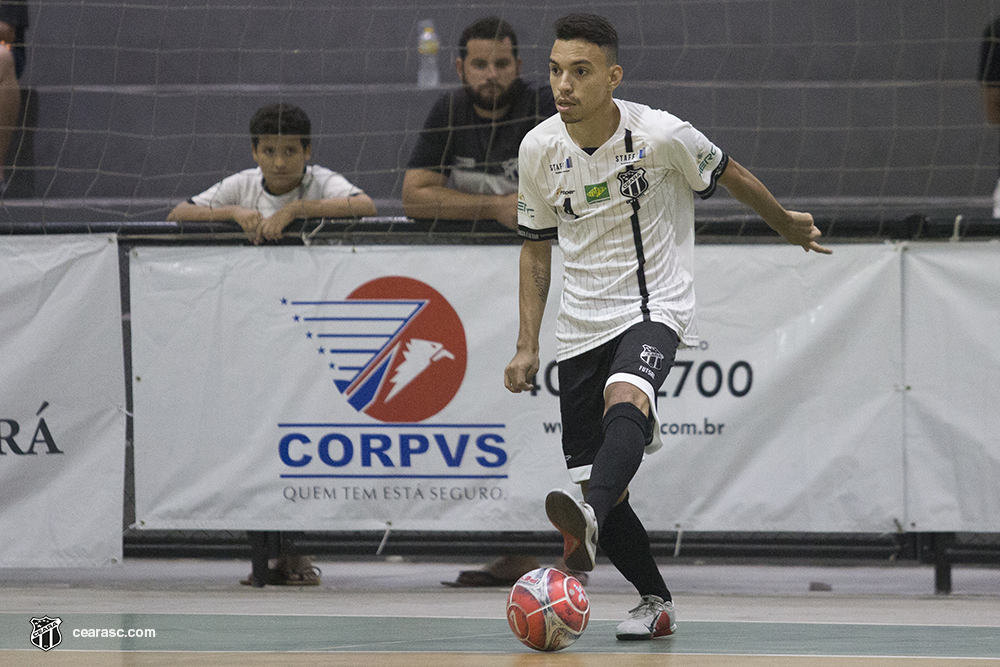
(846, 107)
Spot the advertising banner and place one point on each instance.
(330, 388)
(952, 342)
(62, 402)
(788, 417)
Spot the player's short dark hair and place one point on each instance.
(280, 118)
(491, 27)
(590, 28)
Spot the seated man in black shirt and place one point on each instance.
(464, 165)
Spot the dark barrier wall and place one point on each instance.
(821, 98)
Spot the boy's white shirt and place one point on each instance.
(246, 189)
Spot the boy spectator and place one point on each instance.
(263, 201)
(282, 188)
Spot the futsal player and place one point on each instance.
(613, 181)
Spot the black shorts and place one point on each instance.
(643, 356)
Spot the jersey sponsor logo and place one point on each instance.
(597, 192)
(706, 160)
(633, 182)
(629, 158)
(395, 348)
(561, 167)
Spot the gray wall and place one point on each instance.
(844, 99)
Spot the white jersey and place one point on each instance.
(624, 217)
(246, 189)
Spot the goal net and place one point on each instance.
(849, 108)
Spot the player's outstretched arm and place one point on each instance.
(795, 227)
(533, 291)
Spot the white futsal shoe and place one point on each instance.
(578, 525)
(652, 618)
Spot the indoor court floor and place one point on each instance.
(395, 612)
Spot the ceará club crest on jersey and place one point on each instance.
(395, 347)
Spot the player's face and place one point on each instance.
(282, 159)
(581, 80)
(488, 71)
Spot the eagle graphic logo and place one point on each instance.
(394, 348)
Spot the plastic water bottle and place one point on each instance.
(428, 45)
(996, 201)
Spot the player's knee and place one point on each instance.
(625, 392)
(625, 411)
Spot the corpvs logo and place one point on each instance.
(395, 348)
(395, 351)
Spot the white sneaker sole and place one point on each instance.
(579, 535)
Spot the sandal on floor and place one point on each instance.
(307, 576)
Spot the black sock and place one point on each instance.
(618, 459)
(626, 543)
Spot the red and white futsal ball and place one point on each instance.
(547, 609)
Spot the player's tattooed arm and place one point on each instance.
(543, 277)
(535, 276)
